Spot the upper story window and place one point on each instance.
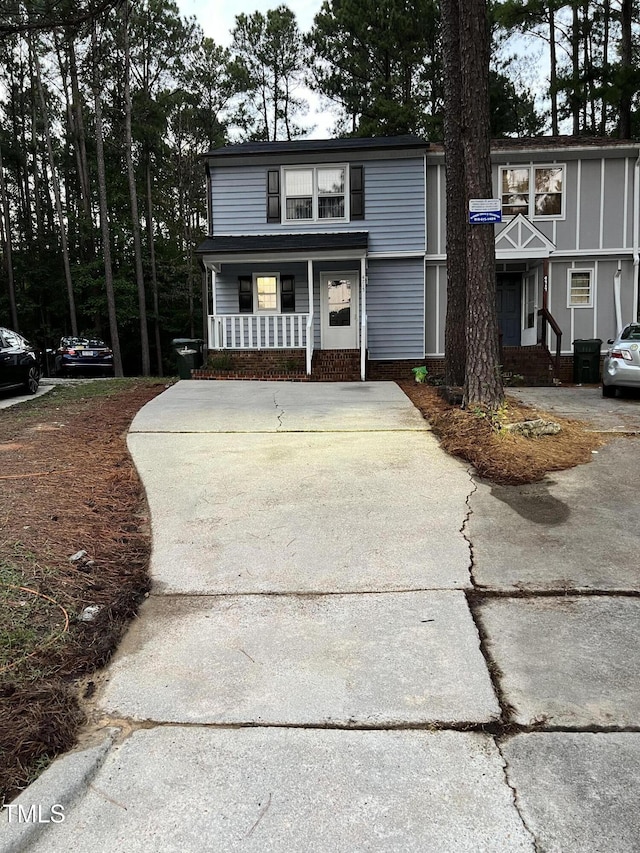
(316, 193)
(302, 194)
(535, 191)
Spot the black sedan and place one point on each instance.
(90, 356)
(19, 362)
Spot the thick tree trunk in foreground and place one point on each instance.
(455, 341)
(483, 381)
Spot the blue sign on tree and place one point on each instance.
(484, 211)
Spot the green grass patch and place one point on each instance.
(32, 625)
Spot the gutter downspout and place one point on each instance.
(636, 234)
(616, 297)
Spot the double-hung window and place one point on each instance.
(535, 191)
(580, 288)
(315, 194)
(266, 293)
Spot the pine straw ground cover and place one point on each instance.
(67, 485)
(495, 454)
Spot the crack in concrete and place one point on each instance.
(516, 799)
(494, 671)
(279, 412)
(465, 525)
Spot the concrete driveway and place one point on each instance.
(620, 414)
(347, 648)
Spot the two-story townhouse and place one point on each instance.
(316, 254)
(327, 257)
(567, 250)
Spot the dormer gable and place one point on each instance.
(520, 238)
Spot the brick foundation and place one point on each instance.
(274, 364)
(531, 363)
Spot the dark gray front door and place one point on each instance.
(508, 296)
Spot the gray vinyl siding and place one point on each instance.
(394, 205)
(395, 306)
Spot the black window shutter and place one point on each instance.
(245, 294)
(273, 195)
(356, 190)
(287, 294)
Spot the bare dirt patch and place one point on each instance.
(495, 454)
(68, 485)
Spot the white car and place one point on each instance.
(621, 368)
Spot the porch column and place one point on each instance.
(213, 344)
(310, 320)
(363, 318)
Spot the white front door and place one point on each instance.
(339, 310)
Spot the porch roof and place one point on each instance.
(300, 246)
(252, 244)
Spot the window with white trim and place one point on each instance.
(315, 193)
(266, 293)
(579, 288)
(535, 191)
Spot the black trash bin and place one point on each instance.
(586, 360)
(189, 354)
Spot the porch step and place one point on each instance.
(336, 365)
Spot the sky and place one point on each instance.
(217, 19)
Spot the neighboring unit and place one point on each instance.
(327, 257)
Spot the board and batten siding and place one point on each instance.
(395, 309)
(598, 321)
(394, 205)
(598, 210)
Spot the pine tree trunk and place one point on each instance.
(135, 219)
(8, 253)
(154, 274)
(56, 192)
(553, 72)
(483, 381)
(104, 215)
(626, 61)
(457, 227)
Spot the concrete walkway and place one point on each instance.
(333, 658)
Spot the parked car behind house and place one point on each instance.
(19, 362)
(621, 368)
(90, 356)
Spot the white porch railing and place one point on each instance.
(258, 331)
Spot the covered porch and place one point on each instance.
(288, 293)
